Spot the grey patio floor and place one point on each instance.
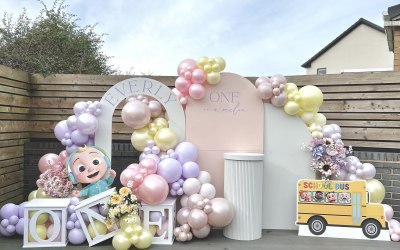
(271, 239)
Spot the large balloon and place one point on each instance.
(197, 218)
(311, 98)
(222, 213)
(100, 227)
(140, 137)
(121, 241)
(145, 240)
(136, 114)
(47, 161)
(87, 123)
(376, 191)
(202, 232)
(61, 130)
(9, 210)
(170, 169)
(153, 190)
(76, 236)
(186, 152)
(166, 139)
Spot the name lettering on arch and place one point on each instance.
(137, 86)
(228, 119)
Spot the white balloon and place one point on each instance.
(204, 177)
(207, 190)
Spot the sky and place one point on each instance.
(255, 37)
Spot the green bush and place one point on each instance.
(52, 43)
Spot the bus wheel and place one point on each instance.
(371, 228)
(317, 225)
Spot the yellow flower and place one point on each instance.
(124, 191)
(115, 199)
(109, 224)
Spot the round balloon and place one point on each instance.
(136, 114)
(311, 98)
(140, 137)
(222, 213)
(376, 191)
(153, 190)
(47, 161)
(121, 241)
(166, 139)
(87, 123)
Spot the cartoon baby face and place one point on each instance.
(304, 195)
(330, 197)
(88, 166)
(319, 195)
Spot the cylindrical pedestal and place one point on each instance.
(243, 175)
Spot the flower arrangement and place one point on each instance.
(55, 183)
(119, 204)
(329, 156)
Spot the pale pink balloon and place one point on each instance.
(197, 219)
(207, 190)
(388, 211)
(264, 91)
(395, 237)
(261, 80)
(197, 91)
(279, 78)
(136, 114)
(153, 190)
(184, 200)
(62, 157)
(163, 229)
(183, 215)
(201, 232)
(177, 93)
(50, 231)
(222, 213)
(186, 64)
(191, 186)
(48, 161)
(128, 175)
(149, 164)
(134, 166)
(155, 108)
(193, 199)
(279, 101)
(182, 84)
(198, 76)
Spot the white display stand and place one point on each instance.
(167, 208)
(243, 187)
(49, 206)
(284, 164)
(84, 207)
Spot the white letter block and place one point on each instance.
(49, 206)
(167, 208)
(84, 208)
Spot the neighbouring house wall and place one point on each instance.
(362, 49)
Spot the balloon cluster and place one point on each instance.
(272, 89)
(132, 233)
(193, 75)
(394, 224)
(305, 103)
(355, 170)
(75, 235)
(12, 219)
(79, 129)
(332, 131)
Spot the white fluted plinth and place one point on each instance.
(243, 175)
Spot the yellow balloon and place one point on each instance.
(145, 240)
(134, 239)
(32, 195)
(291, 108)
(41, 219)
(166, 139)
(202, 61)
(221, 63)
(307, 117)
(311, 98)
(376, 191)
(128, 219)
(41, 193)
(41, 231)
(153, 229)
(291, 88)
(161, 123)
(140, 137)
(100, 227)
(121, 241)
(213, 77)
(129, 230)
(320, 119)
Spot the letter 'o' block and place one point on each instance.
(52, 207)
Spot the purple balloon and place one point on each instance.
(155, 216)
(4, 223)
(13, 220)
(70, 225)
(72, 122)
(21, 209)
(73, 217)
(87, 123)
(368, 170)
(80, 107)
(186, 152)
(10, 229)
(19, 228)
(190, 170)
(74, 201)
(84, 215)
(170, 169)
(71, 148)
(90, 142)
(61, 129)
(103, 210)
(78, 138)
(9, 210)
(76, 236)
(3, 231)
(78, 224)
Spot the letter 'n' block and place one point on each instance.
(37, 211)
(165, 224)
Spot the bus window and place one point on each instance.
(318, 196)
(344, 198)
(304, 196)
(331, 197)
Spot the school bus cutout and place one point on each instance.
(338, 203)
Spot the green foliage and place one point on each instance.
(52, 43)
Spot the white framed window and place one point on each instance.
(321, 71)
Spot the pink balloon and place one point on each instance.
(153, 190)
(197, 91)
(198, 76)
(155, 108)
(183, 215)
(186, 64)
(395, 237)
(134, 166)
(50, 230)
(262, 80)
(149, 164)
(163, 229)
(222, 213)
(202, 232)
(128, 175)
(193, 199)
(182, 84)
(62, 157)
(388, 211)
(48, 161)
(197, 218)
(279, 101)
(264, 91)
(136, 114)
